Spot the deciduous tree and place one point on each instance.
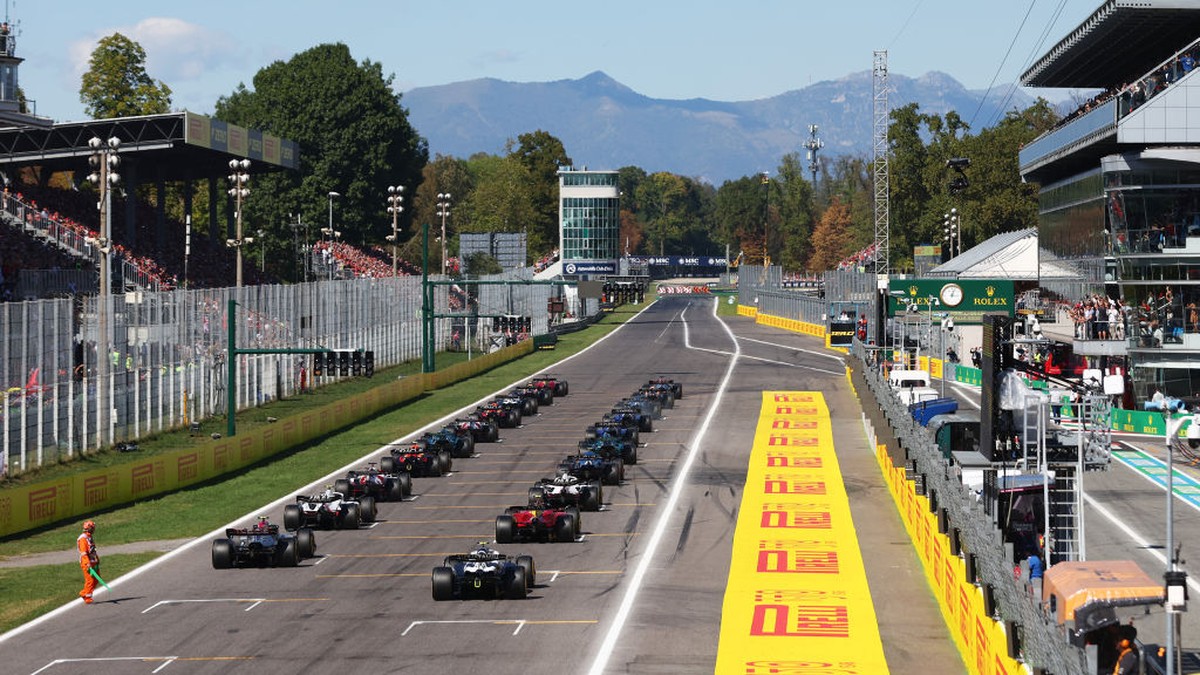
(116, 83)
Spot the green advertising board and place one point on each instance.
(967, 300)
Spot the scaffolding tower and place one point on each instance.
(880, 161)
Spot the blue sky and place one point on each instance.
(671, 49)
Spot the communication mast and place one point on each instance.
(813, 145)
(880, 161)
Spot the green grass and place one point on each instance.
(27, 592)
(726, 308)
(30, 592)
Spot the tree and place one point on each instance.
(354, 137)
(481, 262)
(542, 154)
(116, 83)
(502, 200)
(832, 240)
(662, 194)
(739, 217)
(793, 208)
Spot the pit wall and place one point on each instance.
(31, 506)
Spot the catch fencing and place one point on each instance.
(166, 352)
(811, 303)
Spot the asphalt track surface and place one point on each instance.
(641, 592)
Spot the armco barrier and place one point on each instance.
(32, 506)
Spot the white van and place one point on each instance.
(911, 395)
(906, 379)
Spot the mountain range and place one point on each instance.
(604, 124)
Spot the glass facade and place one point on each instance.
(590, 228)
(575, 178)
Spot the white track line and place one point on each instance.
(286, 499)
(680, 481)
(1135, 537)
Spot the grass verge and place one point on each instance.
(30, 592)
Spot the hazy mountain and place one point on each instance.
(605, 125)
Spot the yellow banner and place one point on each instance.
(979, 638)
(797, 598)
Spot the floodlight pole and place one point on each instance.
(426, 306)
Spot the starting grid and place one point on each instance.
(797, 595)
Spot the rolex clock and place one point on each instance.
(951, 295)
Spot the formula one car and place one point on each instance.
(676, 387)
(450, 440)
(262, 546)
(589, 465)
(483, 573)
(418, 460)
(663, 393)
(371, 482)
(505, 417)
(533, 397)
(610, 429)
(566, 490)
(515, 403)
(641, 402)
(328, 510)
(611, 447)
(537, 522)
(629, 416)
(482, 430)
(554, 382)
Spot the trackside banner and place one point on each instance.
(678, 289)
(979, 637)
(797, 599)
(30, 506)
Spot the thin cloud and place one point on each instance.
(176, 50)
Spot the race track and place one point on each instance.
(605, 604)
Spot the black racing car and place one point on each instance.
(676, 387)
(508, 418)
(612, 429)
(514, 403)
(482, 430)
(611, 447)
(418, 460)
(590, 465)
(483, 573)
(371, 482)
(566, 490)
(262, 546)
(533, 398)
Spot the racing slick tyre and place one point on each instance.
(668, 401)
(469, 445)
(515, 416)
(387, 465)
(564, 528)
(343, 486)
(292, 518)
(443, 583)
(493, 433)
(646, 424)
(530, 407)
(631, 457)
(506, 529)
(222, 554)
(352, 518)
(367, 509)
(678, 391)
(616, 471)
(574, 511)
(445, 461)
(394, 490)
(591, 498)
(289, 556)
(405, 481)
(518, 588)
(564, 390)
(306, 543)
(526, 563)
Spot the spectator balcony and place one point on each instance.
(1153, 109)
